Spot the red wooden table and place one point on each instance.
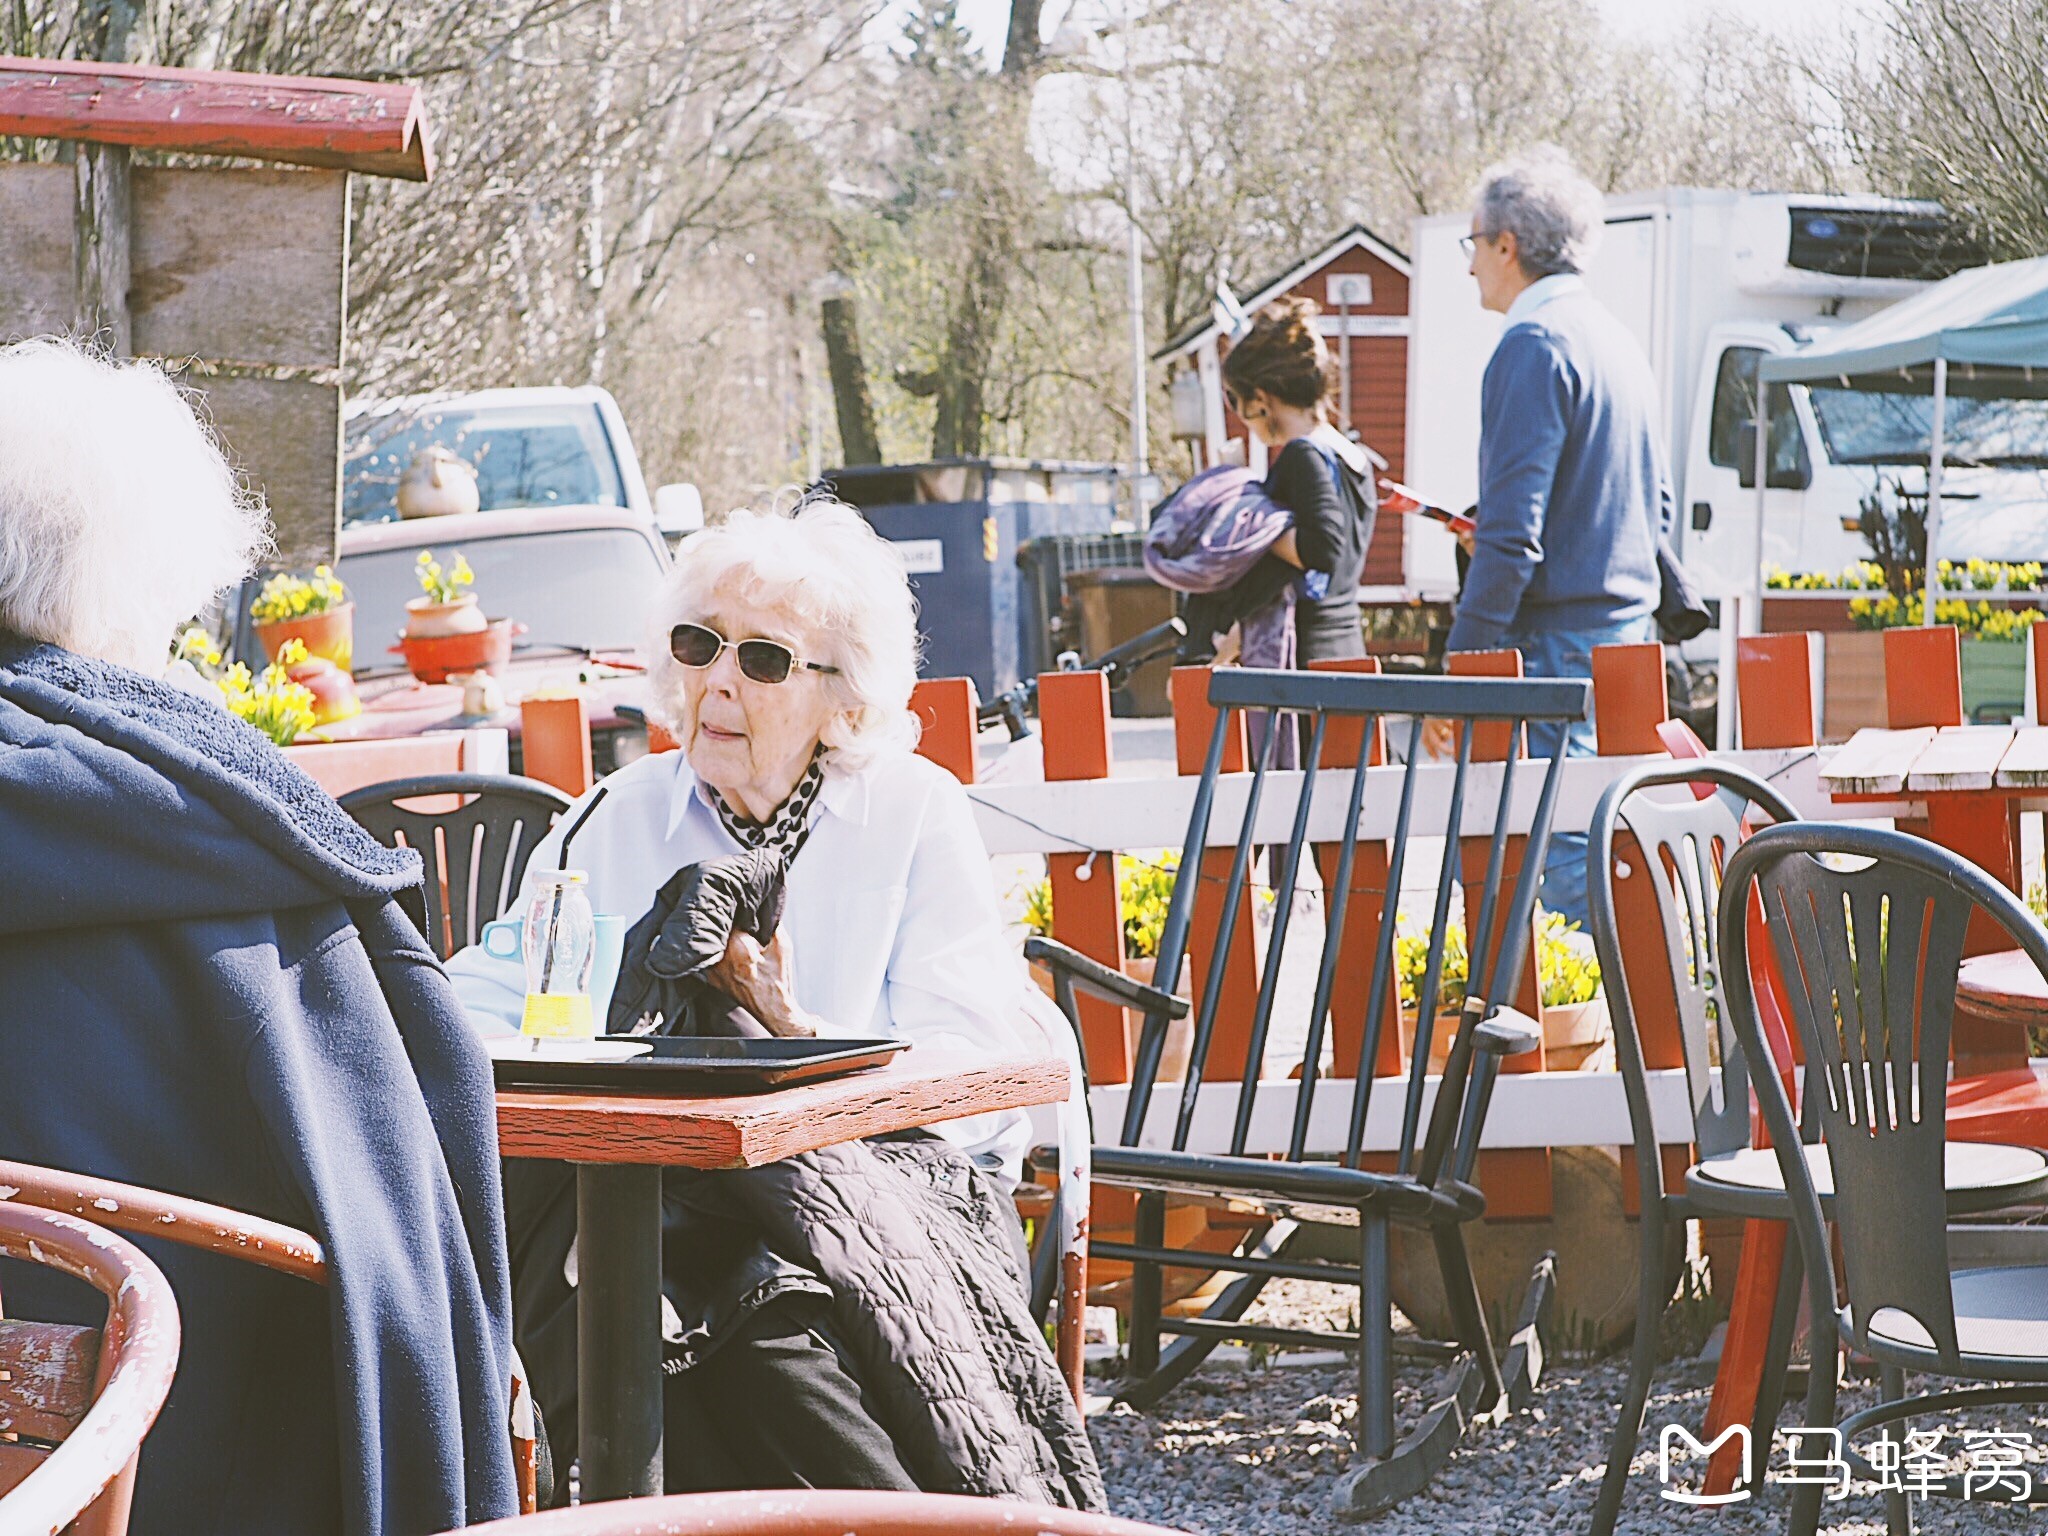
(621, 1141)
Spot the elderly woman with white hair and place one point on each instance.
(857, 1317)
(208, 987)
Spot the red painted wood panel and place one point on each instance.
(1230, 1043)
(1516, 1179)
(1774, 684)
(1073, 714)
(1369, 868)
(944, 707)
(1629, 700)
(1923, 677)
(349, 125)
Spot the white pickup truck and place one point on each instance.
(566, 541)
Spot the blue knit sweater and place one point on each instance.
(1573, 489)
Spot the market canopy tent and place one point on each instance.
(1989, 325)
(1981, 334)
(236, 277)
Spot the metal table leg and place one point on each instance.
(618, 1329)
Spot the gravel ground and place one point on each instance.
(1253, 1452)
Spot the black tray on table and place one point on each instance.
(689, 1062)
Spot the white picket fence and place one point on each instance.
(1537, 1109)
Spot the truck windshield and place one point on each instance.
(586, 588)
(1868, 427)
(523, 455)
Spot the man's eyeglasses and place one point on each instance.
(764, 661)
(1467, 244)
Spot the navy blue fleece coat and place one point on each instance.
(207, 986)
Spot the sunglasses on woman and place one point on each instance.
(764, 661)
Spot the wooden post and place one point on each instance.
(2037, 672)
(945, 707)
(1629, 704)
(1230, 1041)
(101, 211)
(1774, 679)
(1342, 742)
(554, 742)
(1516, 1180)
(1073, 714)
(1923, 677)
(1923, 685)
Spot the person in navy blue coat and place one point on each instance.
(209, 986)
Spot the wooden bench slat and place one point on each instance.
(1961, 757)
(2025, 764)
(1876, 761)
(46, 1372)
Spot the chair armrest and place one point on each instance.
(1509, 1032)
(1093, 977)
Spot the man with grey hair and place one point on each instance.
(1573, 489)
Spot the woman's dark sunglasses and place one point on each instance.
(765, 661)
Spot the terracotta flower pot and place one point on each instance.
(334, 691)
(434, 658)
(426, 619)
(1572, 1032)
(331, 635)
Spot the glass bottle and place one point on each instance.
(560, 945)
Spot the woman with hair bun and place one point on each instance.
(1278, 379)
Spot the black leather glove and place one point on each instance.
(685, 933)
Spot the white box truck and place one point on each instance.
(1708, 281)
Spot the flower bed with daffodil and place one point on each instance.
(2004, 613)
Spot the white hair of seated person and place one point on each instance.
(119, 517)
(820, 563)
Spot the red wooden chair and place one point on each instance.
(816, 1512)
(76, 1402)
(217, 1229)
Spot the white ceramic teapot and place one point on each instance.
(436, 483)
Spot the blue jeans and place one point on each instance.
(1569, 653)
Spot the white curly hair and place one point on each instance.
(119, 517)
(819, 562)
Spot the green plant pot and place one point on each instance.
(1994, 678)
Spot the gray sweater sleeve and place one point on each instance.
(1524, 413)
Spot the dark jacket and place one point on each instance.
(903, 1255)
(1334, 512)
(207, 986)
(1573, 489)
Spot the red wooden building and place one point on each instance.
(1369, 332)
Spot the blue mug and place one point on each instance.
(604, 968)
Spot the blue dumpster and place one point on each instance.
(959, 524)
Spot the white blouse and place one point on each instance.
(892, 918)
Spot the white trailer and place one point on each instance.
(1708, 281)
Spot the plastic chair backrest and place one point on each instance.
(1870, 954)
(1285, 706)
(817, 1512)
(96, 1402)
(1684, 842)
(475, 848)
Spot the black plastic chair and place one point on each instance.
(1683, 844)
(1319, 1169)
(1870, 956)
(475, 852)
